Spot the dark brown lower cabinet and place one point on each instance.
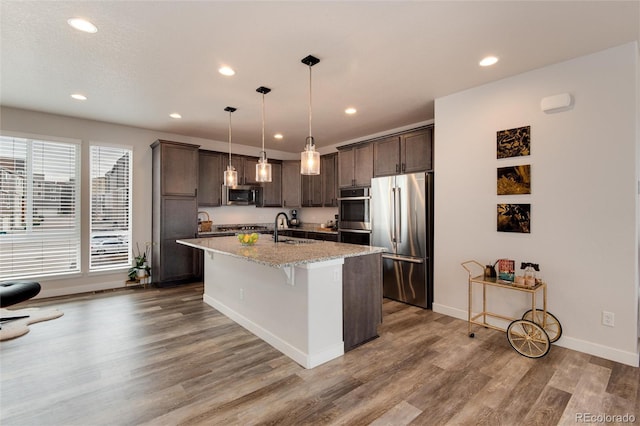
(361, 299)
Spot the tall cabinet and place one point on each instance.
(174, 212)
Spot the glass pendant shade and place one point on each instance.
(230, 176)
(263, 169)
(310, 159)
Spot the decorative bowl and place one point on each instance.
(247, 239)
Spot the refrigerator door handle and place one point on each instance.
(392, 225)
(403, 258)
(399, 214)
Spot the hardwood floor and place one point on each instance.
(163, 357)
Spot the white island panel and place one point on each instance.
(296, 309)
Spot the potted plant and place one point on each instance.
(140, 266)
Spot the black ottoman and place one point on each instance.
(12, 292)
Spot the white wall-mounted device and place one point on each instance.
(556, 103)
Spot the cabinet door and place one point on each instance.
(312, 190)
(237, 161)
(179, 220)
(179, 217)
(363, 171)
(386, 157)
(328, 171)
(291, 184)
(272, 191)
(250, 164)
(417, 151)
(361, 299)
(330, 237)
(179, 164)
(299, 234)
(345, 168)
(210, 179)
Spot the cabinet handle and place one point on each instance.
(404, 167)
(397, 168)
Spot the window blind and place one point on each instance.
(110, 207)
(39, 208)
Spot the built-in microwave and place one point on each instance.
(354, 209)
(241, 195)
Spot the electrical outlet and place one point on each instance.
(608, 319)
(242, 294)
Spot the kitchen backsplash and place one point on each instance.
(251, 214)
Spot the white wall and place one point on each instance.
(584, 202)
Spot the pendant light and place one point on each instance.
(230, 175)
(310, 158)
(263, 168)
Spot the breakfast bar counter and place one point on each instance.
(312, 300)
(288, 252)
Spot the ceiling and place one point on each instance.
(388, 59)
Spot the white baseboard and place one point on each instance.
(449, 311)
(596, 349)
(591, 348)
(85, 288)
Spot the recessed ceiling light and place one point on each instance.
(350, 110)
(175, 115)
(79, 97)
(82, 25)
(278, 136)
(488, 61)
(225, 70)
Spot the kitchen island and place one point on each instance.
(312, 300)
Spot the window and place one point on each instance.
(110, 208)
(39, 208)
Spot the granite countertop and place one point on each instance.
(281, 254)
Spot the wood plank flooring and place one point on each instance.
(163, 357)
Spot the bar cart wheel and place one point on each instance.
(549, 322)
(528, 338)
(472, 335)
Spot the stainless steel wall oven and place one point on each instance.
(354, 224)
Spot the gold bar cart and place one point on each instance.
(531, 335)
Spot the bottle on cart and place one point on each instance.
(529, 275)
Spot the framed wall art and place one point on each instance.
(514, 218)
(514, 142)
(514, 180)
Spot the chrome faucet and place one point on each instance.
(275, 226)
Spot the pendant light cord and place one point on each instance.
(310, 135)
(263, 122)
(230, 138)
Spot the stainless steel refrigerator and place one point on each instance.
(402, 221)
